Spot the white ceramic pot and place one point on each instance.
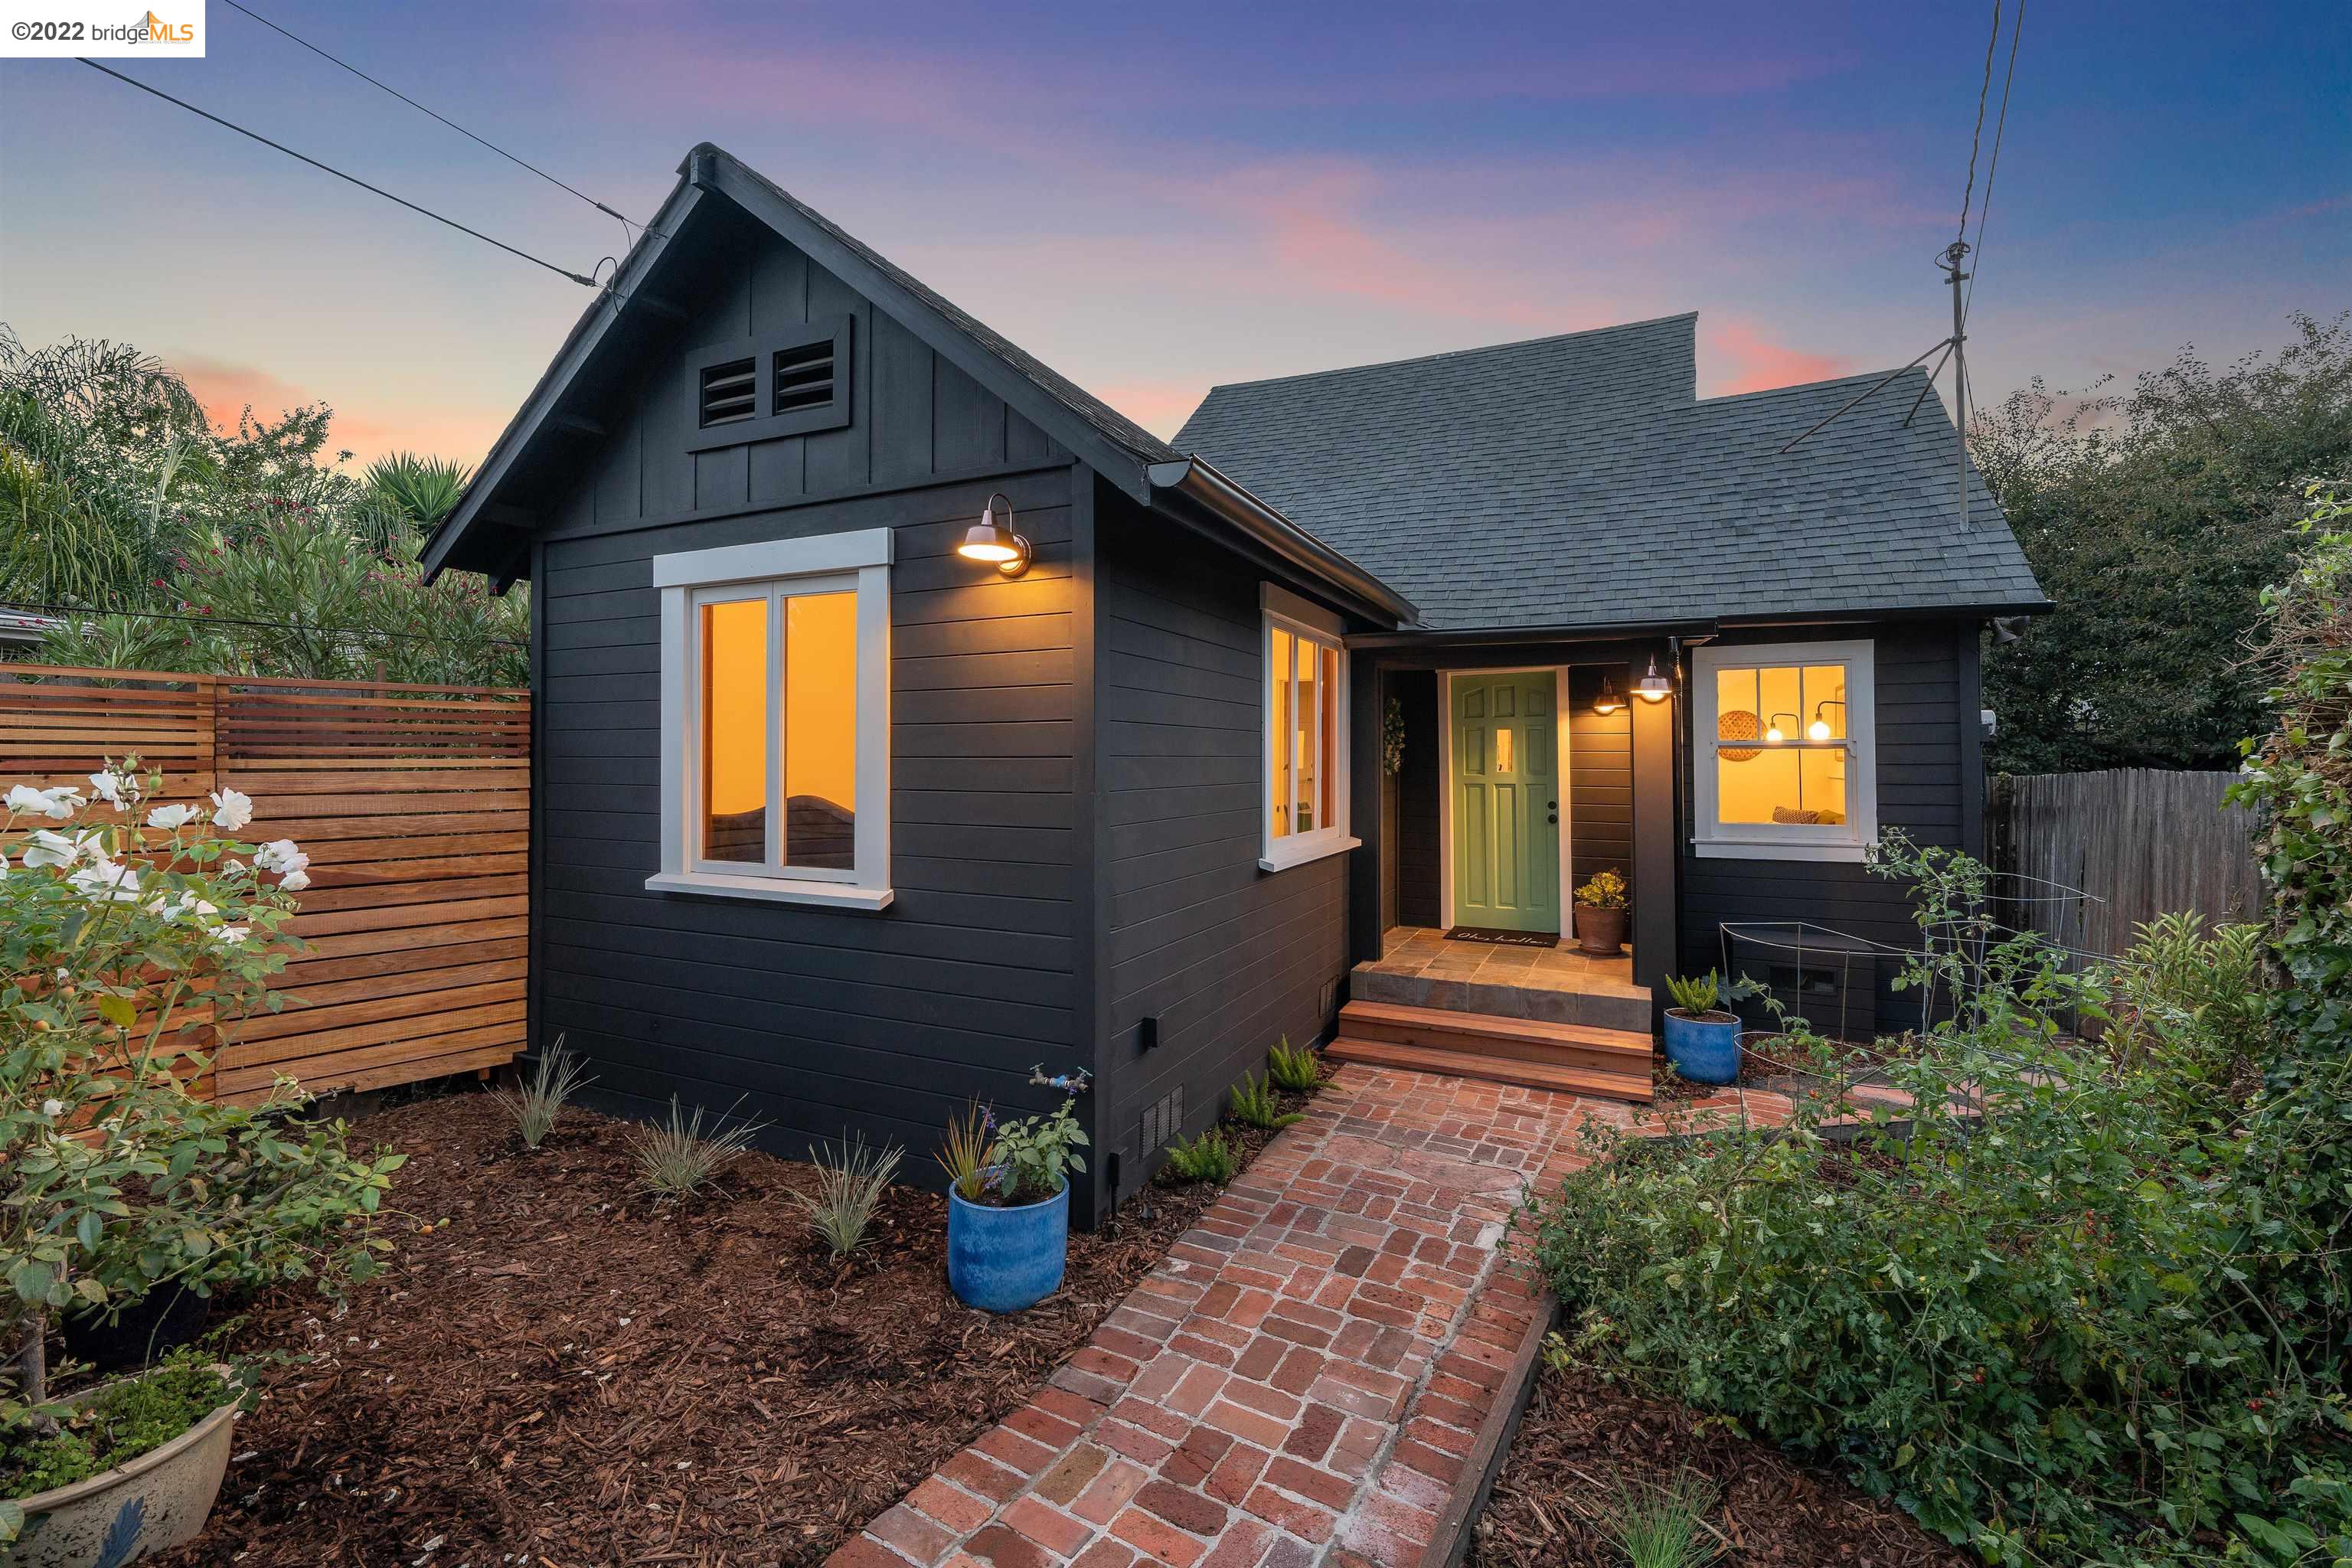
(159, 1499)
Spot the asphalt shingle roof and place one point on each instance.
(1579, 481)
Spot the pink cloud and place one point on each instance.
(368, 429)
(1748, 360)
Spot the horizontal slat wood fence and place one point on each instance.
(414, 803)
(2140, 842)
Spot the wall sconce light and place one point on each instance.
(1607, 701)
(1775, 733)
(1819, 728)
(1654, 687)
(991, 539)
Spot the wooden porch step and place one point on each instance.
(1558, 1077)
(1584, 1046)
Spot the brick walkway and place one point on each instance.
(1302, 1377)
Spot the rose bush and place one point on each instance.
(128, 933)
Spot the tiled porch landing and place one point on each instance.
(1303, 1379)
(1419, 968)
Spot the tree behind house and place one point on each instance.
(2154, 518)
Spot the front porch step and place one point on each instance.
(1600, 1004)
(1559, 1079)
(1491, 1035)
(1572, 1058)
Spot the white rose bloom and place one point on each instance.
(280, 855)
(169, 817)
(106, 881)
(231, 935)
(56, 804)
(46, 847)
(53, 1108)
(108, 787)
(231, 810)
(294, 882)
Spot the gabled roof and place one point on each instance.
(1579, 481)
(487, 532)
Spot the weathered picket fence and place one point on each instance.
(414, 803)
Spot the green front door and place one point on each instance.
(1505, 787)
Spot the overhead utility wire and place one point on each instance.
(353, 179)
(443, 119)
(1984, 213)
(1977, 135)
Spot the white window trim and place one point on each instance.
(1286, 611)
(825, 562)
(1848, 840)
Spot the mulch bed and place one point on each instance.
(562, 1372)
(1584, 1438)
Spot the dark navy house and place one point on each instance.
(909, 719)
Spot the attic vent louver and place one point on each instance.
(729, 393)
(803, 376)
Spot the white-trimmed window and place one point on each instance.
(775, 721)
(1787, 751)
(1306, 749)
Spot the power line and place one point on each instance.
(353, 179)
(1977, 135)
(66, 611)
(1984, 213)
(443, 119)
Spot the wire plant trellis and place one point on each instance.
(1982, 922)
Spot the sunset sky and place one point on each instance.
(1156, 201)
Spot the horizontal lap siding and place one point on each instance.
(1228, 958)
(817, 1020)
(1924, 691)
(1601, 778)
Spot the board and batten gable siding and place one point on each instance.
(1228, 958)
(1930, 786)
(820, 1020)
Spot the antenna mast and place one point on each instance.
(1954, 254)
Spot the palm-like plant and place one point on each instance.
(406, 497)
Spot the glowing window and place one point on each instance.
(1305, 735)
(775, 721)
(1786, 751)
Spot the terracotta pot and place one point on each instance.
(158, 1501)
(1599, 931)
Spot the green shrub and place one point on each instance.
(1293, 1068)
(2109, 1325)
(539, 1099)
(1210, 1157)
(848, 1189)
(968, 1149)
(1258, 1104)
(674, 1158)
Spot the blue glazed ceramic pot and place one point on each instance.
(1705, 1050)
(1001, 1261)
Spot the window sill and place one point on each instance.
(1295, 853)
(1767, 849)
(771, 889)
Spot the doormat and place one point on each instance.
(1495, 938)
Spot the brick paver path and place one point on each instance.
(1299, 1379)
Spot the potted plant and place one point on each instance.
(1702, 1039)
(116, 1181)
(1009, 1205)
(1601, 914)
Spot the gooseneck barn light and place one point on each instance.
(1654, 687)
(991, 539)
(1607, 701)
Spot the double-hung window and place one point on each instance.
(1786, 763)
(775, 699)
(1306, 746)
